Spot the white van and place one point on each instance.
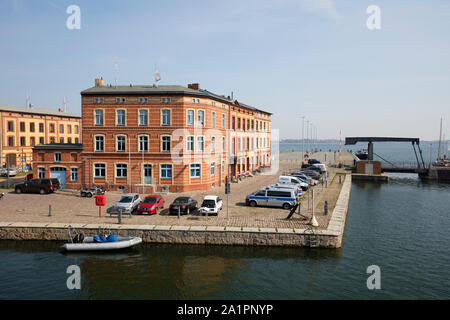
(293, 180)
(296, 187)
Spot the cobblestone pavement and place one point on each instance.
(70, 208)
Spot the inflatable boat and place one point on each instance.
(92, 244)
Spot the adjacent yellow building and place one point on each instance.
(23, 128)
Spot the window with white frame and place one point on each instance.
(121, 170)
(143, 143)
(190, 144)
(143, 117)
(120, 117)
(195, 171)
(99, 170)
(166, 171)
(190, 118)
(57, 157)
(99, 143)
(223, 143)
(213, 119)
(200, 144)
(200, 117)
(213, 169)
(98, 117)
(41, 173)
(223, 121)
(165, 117)
(143, 100)
(165, 100)
(74, 174)
(222, 166)
(121, 143)
(213, 144)
(165, 144)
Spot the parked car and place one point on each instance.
(307, 166)
(128, 203)
(185, 204)
(211, 205)
(293, 180)
(304, 178)
(151, 204)
(313, 161)
(4, 172)
(296, 187)
(285, 198)
(311, 173)
(321, 166)
(41, 186)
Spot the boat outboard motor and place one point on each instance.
(79, 237)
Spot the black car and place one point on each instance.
(41, 186)
(307, 166)
(185, 204)
(313, 161)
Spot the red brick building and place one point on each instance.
(61, 161)
(150, 138)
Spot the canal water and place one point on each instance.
(402, 227)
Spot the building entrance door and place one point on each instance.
(147, 173)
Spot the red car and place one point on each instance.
(151, 204)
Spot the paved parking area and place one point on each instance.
(71, 208)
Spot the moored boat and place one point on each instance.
(88, 244)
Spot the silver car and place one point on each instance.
(128, 202)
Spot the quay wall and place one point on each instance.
(206, 235)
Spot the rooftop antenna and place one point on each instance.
(28, 104)
(116, 71)
(65, 104)
(157, 75)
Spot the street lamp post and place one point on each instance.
(303, 139)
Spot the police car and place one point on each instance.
(273, 197)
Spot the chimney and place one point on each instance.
(194, 86)
(99, 82)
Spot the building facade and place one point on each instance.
(23, 128)
(173, 138)
(154, 138)
(61, 161)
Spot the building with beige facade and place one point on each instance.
(23, 128)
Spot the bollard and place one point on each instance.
(299, 207)
(49, 210)
(325, 209)
(339, 179)
(179, 212)
(119, 216)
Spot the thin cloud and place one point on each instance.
(322, 7)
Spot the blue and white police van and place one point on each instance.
(273, 197)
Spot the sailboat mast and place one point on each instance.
(440, 139)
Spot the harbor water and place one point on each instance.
(401, 226)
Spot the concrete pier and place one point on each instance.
(330, 237)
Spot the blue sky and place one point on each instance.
(314, 58)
